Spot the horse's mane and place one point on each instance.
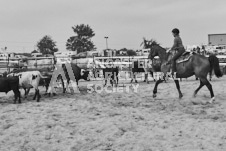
(148, 43)
(155, 43)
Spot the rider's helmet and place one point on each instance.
(176, 31)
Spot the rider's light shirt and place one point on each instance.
(177, 44)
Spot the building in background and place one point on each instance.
(216, 39)
(145, 52)
(64, 56)
(108, 53)
(36, 54)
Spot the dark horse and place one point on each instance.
(197, 65)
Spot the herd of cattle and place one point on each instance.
(33, 78)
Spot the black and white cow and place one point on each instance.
(29, 79)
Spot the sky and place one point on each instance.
(125, 22)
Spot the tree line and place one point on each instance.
(80, 42)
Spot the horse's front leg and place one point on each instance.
(156, 87)
(178, 88)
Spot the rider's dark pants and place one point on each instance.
(175, 57)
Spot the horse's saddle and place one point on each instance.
(184, 57)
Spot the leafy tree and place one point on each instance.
(131, 53)
(34, 51)
(126, 52)
(46, 45)
(81, 42)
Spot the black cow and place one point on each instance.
(111, 73)
(10, 83)
(77, 72)
(4, 74)
(137, 67)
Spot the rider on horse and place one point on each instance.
(178, 46)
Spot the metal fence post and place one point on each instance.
(8, 70)
(36, 62)
(129, 68)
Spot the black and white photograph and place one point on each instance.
(112, 75)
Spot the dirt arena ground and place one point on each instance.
(119, 121)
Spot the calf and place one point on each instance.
(10, 83)
(29, 79)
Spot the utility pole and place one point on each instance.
(106, 42)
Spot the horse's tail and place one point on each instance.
(214, 64)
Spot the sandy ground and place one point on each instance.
(120, 121)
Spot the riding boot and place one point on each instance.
(173, 67)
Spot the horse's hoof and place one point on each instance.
(180, 96)
(54, 94)
(194, 95)
(136, 81)
(154, 95)
(212, 100)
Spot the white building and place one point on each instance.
(65, 54)
(36, 54)
(145, 52)
(217, 39)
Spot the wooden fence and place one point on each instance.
(8, 64)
